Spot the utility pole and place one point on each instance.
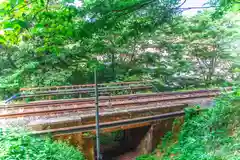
(97, 116)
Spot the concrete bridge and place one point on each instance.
(143, 118)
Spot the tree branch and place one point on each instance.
(138, 6)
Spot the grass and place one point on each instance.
(210, 135)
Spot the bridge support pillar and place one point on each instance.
(146, 144)
(147, 138)
(85, 144)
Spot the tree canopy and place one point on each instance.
(46, 42)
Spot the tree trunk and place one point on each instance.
(113, 65)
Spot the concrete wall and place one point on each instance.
(142, 140)
(146, 139)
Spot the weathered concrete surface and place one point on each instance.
(146, 144)
(130, 113)
(146, 139)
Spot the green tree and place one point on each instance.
(47, 42)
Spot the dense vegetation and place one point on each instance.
(60, 42)
(20, 146)
(211, 135)
(46, 42)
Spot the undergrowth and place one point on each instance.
(20, 146)
(210, 135)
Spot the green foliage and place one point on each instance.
(146, 157)
(189, 51)
(19, 146)
(46, 43)
(209, 135)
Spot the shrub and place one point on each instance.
(146, 157)
(210, 135)
(20, 146)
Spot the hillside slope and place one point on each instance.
(210, 135)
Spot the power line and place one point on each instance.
(139, 5)
(143, 4)
(187, 8)
(182, 4)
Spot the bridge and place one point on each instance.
(143, 117)
(86, 90)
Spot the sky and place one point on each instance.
(193, 3)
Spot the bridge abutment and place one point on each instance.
(141, 140)
(145, 139)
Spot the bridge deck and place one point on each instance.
(64, 114)
(87, 117)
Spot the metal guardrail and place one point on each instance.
(78, 89)
(84, 86)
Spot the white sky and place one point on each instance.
(78, 3)
(193, 3)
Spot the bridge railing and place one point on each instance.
(84, 86)
(87, 90)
